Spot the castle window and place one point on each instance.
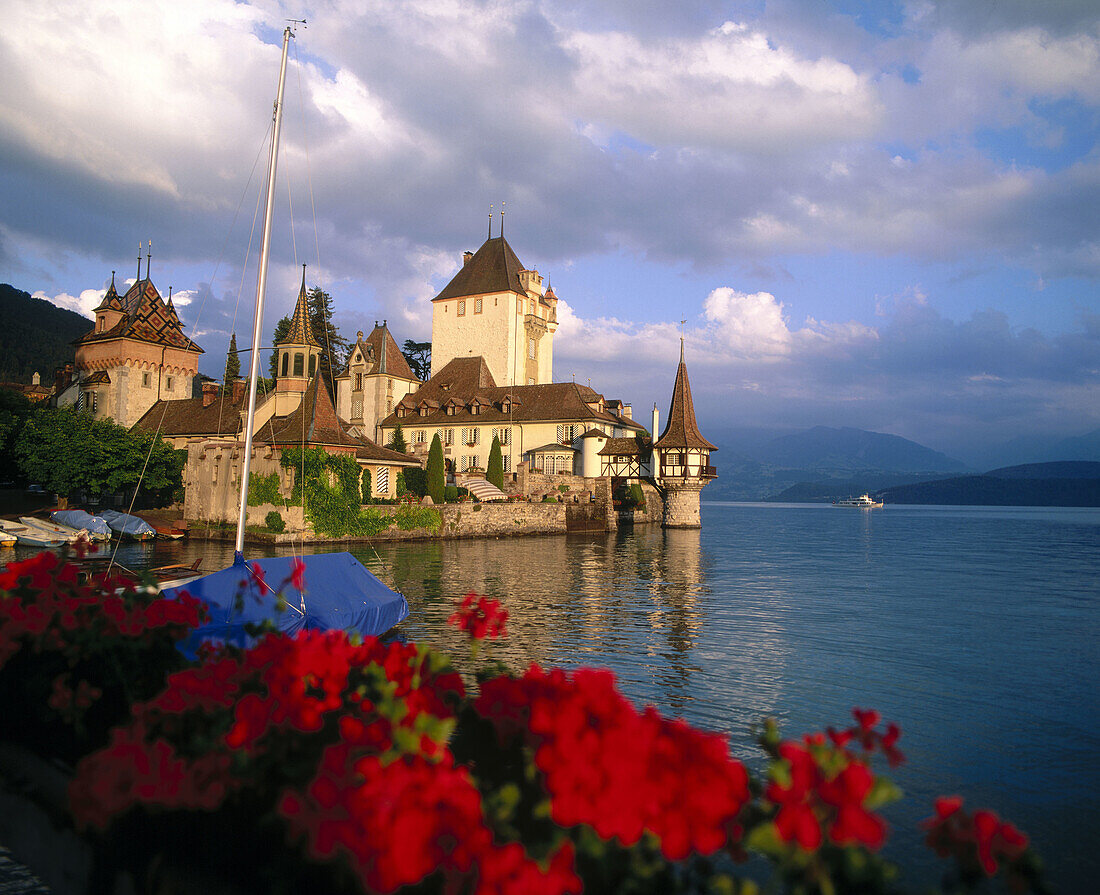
(461, 308)
(299, 363)
(146, 380)
(477, 305)
(519, 305)
(448, 436)
(507, 458)
(312, 364)
(421, 437)
(382, 480)
(358, 382)
(90, 402)
(286, 363)
(100, 323)
(168, 383)
(357, 408)
(531, 350)
(530, 381)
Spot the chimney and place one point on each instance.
(466, 256)
(627, 412)
(62, 378)
(656, 422)
(238, 390)
(209, 393)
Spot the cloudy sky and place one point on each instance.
(875, 214)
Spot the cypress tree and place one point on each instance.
(436, 474)
(397, 440)
(232, 364)
(494, 469)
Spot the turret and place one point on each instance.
(298, 355)
(681, 456)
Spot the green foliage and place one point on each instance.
(402, 488)
(450, 493)
(629, 498)
(232, 364)
(397, 440)
(419, 357)
(637, 495)
(436, 472)
(67, 450)
(14, 410)
(494, 468)
(416, 480)
(549, 499)
(263, 489)
(408, 517)
(274, 522)
(334, 509)
(563, 488)
(366, 486)
(333, 345)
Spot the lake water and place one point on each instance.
(975, 628)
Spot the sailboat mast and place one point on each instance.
(261, 291)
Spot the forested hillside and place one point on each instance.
(36, 336)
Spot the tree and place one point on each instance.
(419, 356)
(232, 364)
(367, 493)
(333, 345)
(14, 410)
(494, 469)
(397, 440)
(282, 330)
(436, 474)
(66, 450)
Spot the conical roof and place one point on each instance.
(681, 430)
(111, 301)
(300, 333)
(493, 268)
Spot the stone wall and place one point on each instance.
(682, 505)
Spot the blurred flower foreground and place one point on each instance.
(324, 763)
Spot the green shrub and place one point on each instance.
(275, 522)
(563, 488)
(549, 499)
(450, 494)
(402, 488)
(411, 516)
(416, 480)
(436, 470)
(494, 467)
(367, 494)
(637, 496)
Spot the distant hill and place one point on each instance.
(823, 447)
(36, 336)
(821, 463)
(1039, 447)
(1062, 469)
(1062, 484)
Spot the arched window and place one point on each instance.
(286, 363)
(312, 364)
(299, 363)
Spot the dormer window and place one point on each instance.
(101, 320)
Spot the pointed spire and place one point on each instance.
(502, 220)
(490, 221)
(681, 430)
(138, 280)
(148, 259)
(111, 289)
(300, 332)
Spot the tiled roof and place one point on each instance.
(189, 417)
(145, 318)
(468, 379)
(493, 268)
(111, 300)
(681, 430)
(315, 423)
(626, 447)
(382, 354)
(552, 448)
(300, 332)
(97, 377)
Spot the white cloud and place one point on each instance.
(82, 304)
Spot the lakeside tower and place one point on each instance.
(299, 353)
(681, 457)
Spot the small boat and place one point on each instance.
(30, 537)
(56, 529)
(167, 532)
(863, 502)
(125, 525)
(96, 526)
(7, 540)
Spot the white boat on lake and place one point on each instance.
(30, 537)
(55, 529)
(863, 502)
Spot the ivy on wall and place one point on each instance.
(333, 495)
(263, 489)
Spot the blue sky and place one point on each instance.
(884, 215)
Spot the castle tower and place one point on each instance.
(298, 355)
(497, 309)
(681, 457)
(377, 377)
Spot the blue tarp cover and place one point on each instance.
(124, 523)
(79, 519)
(338, 593)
